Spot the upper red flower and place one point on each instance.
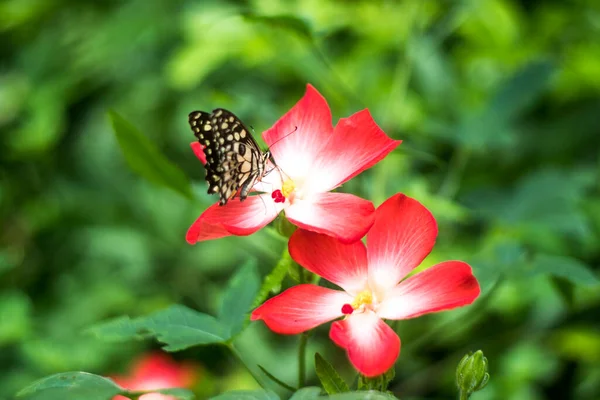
(403, 234)
(312, 157)
(157, 371)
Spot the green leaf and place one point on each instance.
(277, 380)
(565, 267)
(247, 395)
(177, 326)
(180, 327)
(332, 382)
(71, 385)
(362, 395)
(145, 158)
(284, 22)
(119, 330)
(272, 282)
(239, 295)
(521, 90)
(307, 393)
(179, 393)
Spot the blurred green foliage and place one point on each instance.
(497, 102)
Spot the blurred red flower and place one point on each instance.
(374, 288)
(157, 371)
(313, 158)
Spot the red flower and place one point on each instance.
(403, 234)
(157, 371)
(312, 158)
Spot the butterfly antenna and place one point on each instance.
(281, 138)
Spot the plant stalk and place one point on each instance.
(302, 360)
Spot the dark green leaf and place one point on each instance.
(247, 395)
(276, 380)
(307, 393)
(71, 385)
(145, 158)
(565, 267)
(272, 282)
(520, 90)
(239, 295)
(332, 382)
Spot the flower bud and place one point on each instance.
(472, 372)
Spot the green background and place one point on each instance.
(497, 103)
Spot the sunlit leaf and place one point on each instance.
(332, 382)
(71, 385)
(146, 159)
(239, 295)
(247, 395)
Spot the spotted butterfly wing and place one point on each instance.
(234, 161)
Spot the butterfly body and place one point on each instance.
(234, 161)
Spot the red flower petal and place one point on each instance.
(402, 236)
(157, 371)
(343, 264)
(235, 218)
(342, 215)
(296, 139)
(372, 345)
(357, 144)
(444, 286)
(301, 308)
(201, 231)
(198, 151)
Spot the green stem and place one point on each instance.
(236, 353)
(463, 395)
(453, 178)
(302, 360)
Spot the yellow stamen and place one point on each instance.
(364, 297)
(287, 188)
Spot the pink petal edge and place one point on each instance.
(444, 286)
(341, 215)
(356, 145)
(198, 150)
(237, 217)
(372, 346)
(296, 139)
(402, 235)
(341, 263)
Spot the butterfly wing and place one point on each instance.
(234, 161)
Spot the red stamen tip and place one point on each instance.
(278, 196)
(347, 309)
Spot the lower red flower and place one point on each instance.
(373, 285)
(157, 371)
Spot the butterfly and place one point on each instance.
(234, 161)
